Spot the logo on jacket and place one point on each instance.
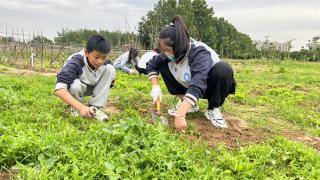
(187, 77)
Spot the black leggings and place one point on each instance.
(140, 70)
(220, 84)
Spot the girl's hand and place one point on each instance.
(156, 93)
(180, 122)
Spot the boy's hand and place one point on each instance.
(85, 111)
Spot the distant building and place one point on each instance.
(315, 43)
(274, 45)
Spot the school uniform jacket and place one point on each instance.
(122, 62)
(192, 72)
(77, 67)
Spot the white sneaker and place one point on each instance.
(172, 111)
(216, 118)
(99, 115)
(74, 112)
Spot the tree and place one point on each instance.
(41, 39)
(202, 25)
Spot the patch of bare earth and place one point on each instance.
(302, 137)
(237, 134)
(4, 175)
(111, 108)
(25, 72)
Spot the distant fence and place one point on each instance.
(17, 48)
(35, 54)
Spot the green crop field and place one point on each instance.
(274, 130)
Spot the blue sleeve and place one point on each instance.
(200, 65)
(71, 70)
(124, 68)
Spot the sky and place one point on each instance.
(279, 20)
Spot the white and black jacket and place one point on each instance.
(192, 72)
(77, 67)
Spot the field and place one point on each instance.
(274, 120)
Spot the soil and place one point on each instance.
(4, 176)
(302, 137)
(237, 134)
(24, 72)
(111, 107)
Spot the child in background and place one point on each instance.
(87, 73)
(142, 63)
(126, 61)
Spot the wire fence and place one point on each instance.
(18, 48)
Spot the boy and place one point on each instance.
(87, 73)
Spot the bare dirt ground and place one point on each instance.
(111, 107)
(24, 72)
(302, 137)
(237, 134)
(4, 175)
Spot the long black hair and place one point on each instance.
(176, 35)
(133, 53)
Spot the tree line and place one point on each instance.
(218, 33)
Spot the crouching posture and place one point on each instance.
(190, 70)
(127, 60)
(87, 73)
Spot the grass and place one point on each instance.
(42, 141)
(285, 92)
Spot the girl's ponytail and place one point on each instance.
(176, 35)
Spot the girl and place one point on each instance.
(190, 70)
(126, 60)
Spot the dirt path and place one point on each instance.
(23, 72)
(302, 137)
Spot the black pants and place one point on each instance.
(220, 84)
(140, 70)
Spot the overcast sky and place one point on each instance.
(280, 20)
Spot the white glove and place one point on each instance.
(156, 93)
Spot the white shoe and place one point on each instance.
(99, 115)
(172, 111)
(74, 112)
(216, 118)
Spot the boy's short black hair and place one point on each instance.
(98, 43)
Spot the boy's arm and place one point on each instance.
(67, 98)
(69, 72)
